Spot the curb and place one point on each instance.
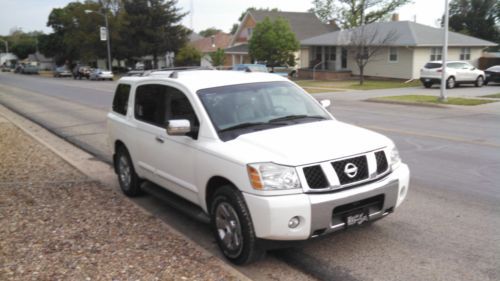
(95, 170)
(374, 100)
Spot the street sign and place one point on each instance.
(104, 33)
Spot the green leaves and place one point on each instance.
(273, 42)
(217, 58)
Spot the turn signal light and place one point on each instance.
(254, 178)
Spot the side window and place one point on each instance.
(179, 107)
(393, 54)
(150, 101)
(120, 101)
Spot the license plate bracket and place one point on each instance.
(356, 218)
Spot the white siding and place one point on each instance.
(303, 58)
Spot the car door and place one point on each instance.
(174, 156)
(149, 111)
(469, 72)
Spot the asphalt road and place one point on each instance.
(448, 229)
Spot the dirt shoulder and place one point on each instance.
(57, 224)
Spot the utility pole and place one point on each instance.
(108, 43)
(444, 55)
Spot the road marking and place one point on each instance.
(432, 136)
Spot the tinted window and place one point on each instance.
(432, 65)
(120, 101)
(179, 107)
(150, 101)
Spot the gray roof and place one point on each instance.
(242, 48)
(405, 33)
(304, 25)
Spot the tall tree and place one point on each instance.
(22, 44)
(274, 42)
(353, 13)
(152, 27)
(478, 18)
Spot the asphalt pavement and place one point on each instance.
(448, 229)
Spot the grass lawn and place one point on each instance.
(354, 84)
(319, 90)
(422, 99)
(494, 96)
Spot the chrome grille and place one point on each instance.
(359, 162)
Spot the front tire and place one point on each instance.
(479, 81)
(129, 182)
(427, 85)
(232, 226)
(450, 83)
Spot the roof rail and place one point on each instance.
(173, 69)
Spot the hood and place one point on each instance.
(304, 143)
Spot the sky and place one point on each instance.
(31, 15)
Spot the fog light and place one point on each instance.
(294, 222)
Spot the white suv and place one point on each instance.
(255, 152)
(457, 72)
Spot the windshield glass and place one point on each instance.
(245, 108)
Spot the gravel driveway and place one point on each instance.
(56, 224)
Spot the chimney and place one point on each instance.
(395, 17)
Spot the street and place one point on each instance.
(448, 229)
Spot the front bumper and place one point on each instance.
(271, 214)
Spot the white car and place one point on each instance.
(261, 157)
(99, 74)
(457, 72)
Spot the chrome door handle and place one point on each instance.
(160, 139)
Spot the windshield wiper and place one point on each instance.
(293, 117)
(248, 125)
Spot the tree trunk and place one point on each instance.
(361, 75)
(155, 61)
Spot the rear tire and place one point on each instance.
(129, 182)
(232, 226)
(450, 83)
(427, 85)
(479, 81)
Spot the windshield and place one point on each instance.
(245, 108)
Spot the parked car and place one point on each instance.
(250, 67)
(29, 69)
(285, 71)
(80, 72)
(492, 75)
(62, 71)
(457, 72)
(99, 74)
(261, 157)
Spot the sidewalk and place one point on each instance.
(58, 224)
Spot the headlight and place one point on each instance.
(395, 158)
(270, 176)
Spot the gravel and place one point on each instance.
(56, 224)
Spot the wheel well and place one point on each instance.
(118, 144)
(213, 184)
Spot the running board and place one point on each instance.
(175, 201)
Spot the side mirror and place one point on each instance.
(325, 103)
(178, 127)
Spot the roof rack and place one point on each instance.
(174, 70)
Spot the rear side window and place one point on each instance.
(120, 101)
(150, 101)
(432, 65)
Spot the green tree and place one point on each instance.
(23, 44)
(218, 57)
(274, 42)
(478, 18)
(209, 31)
(188, 56)
(152, 27)
(353, 13)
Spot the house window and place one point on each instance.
(249, 32)
(333, 53)
(393, 54)
(436, 54)
(465, 54)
